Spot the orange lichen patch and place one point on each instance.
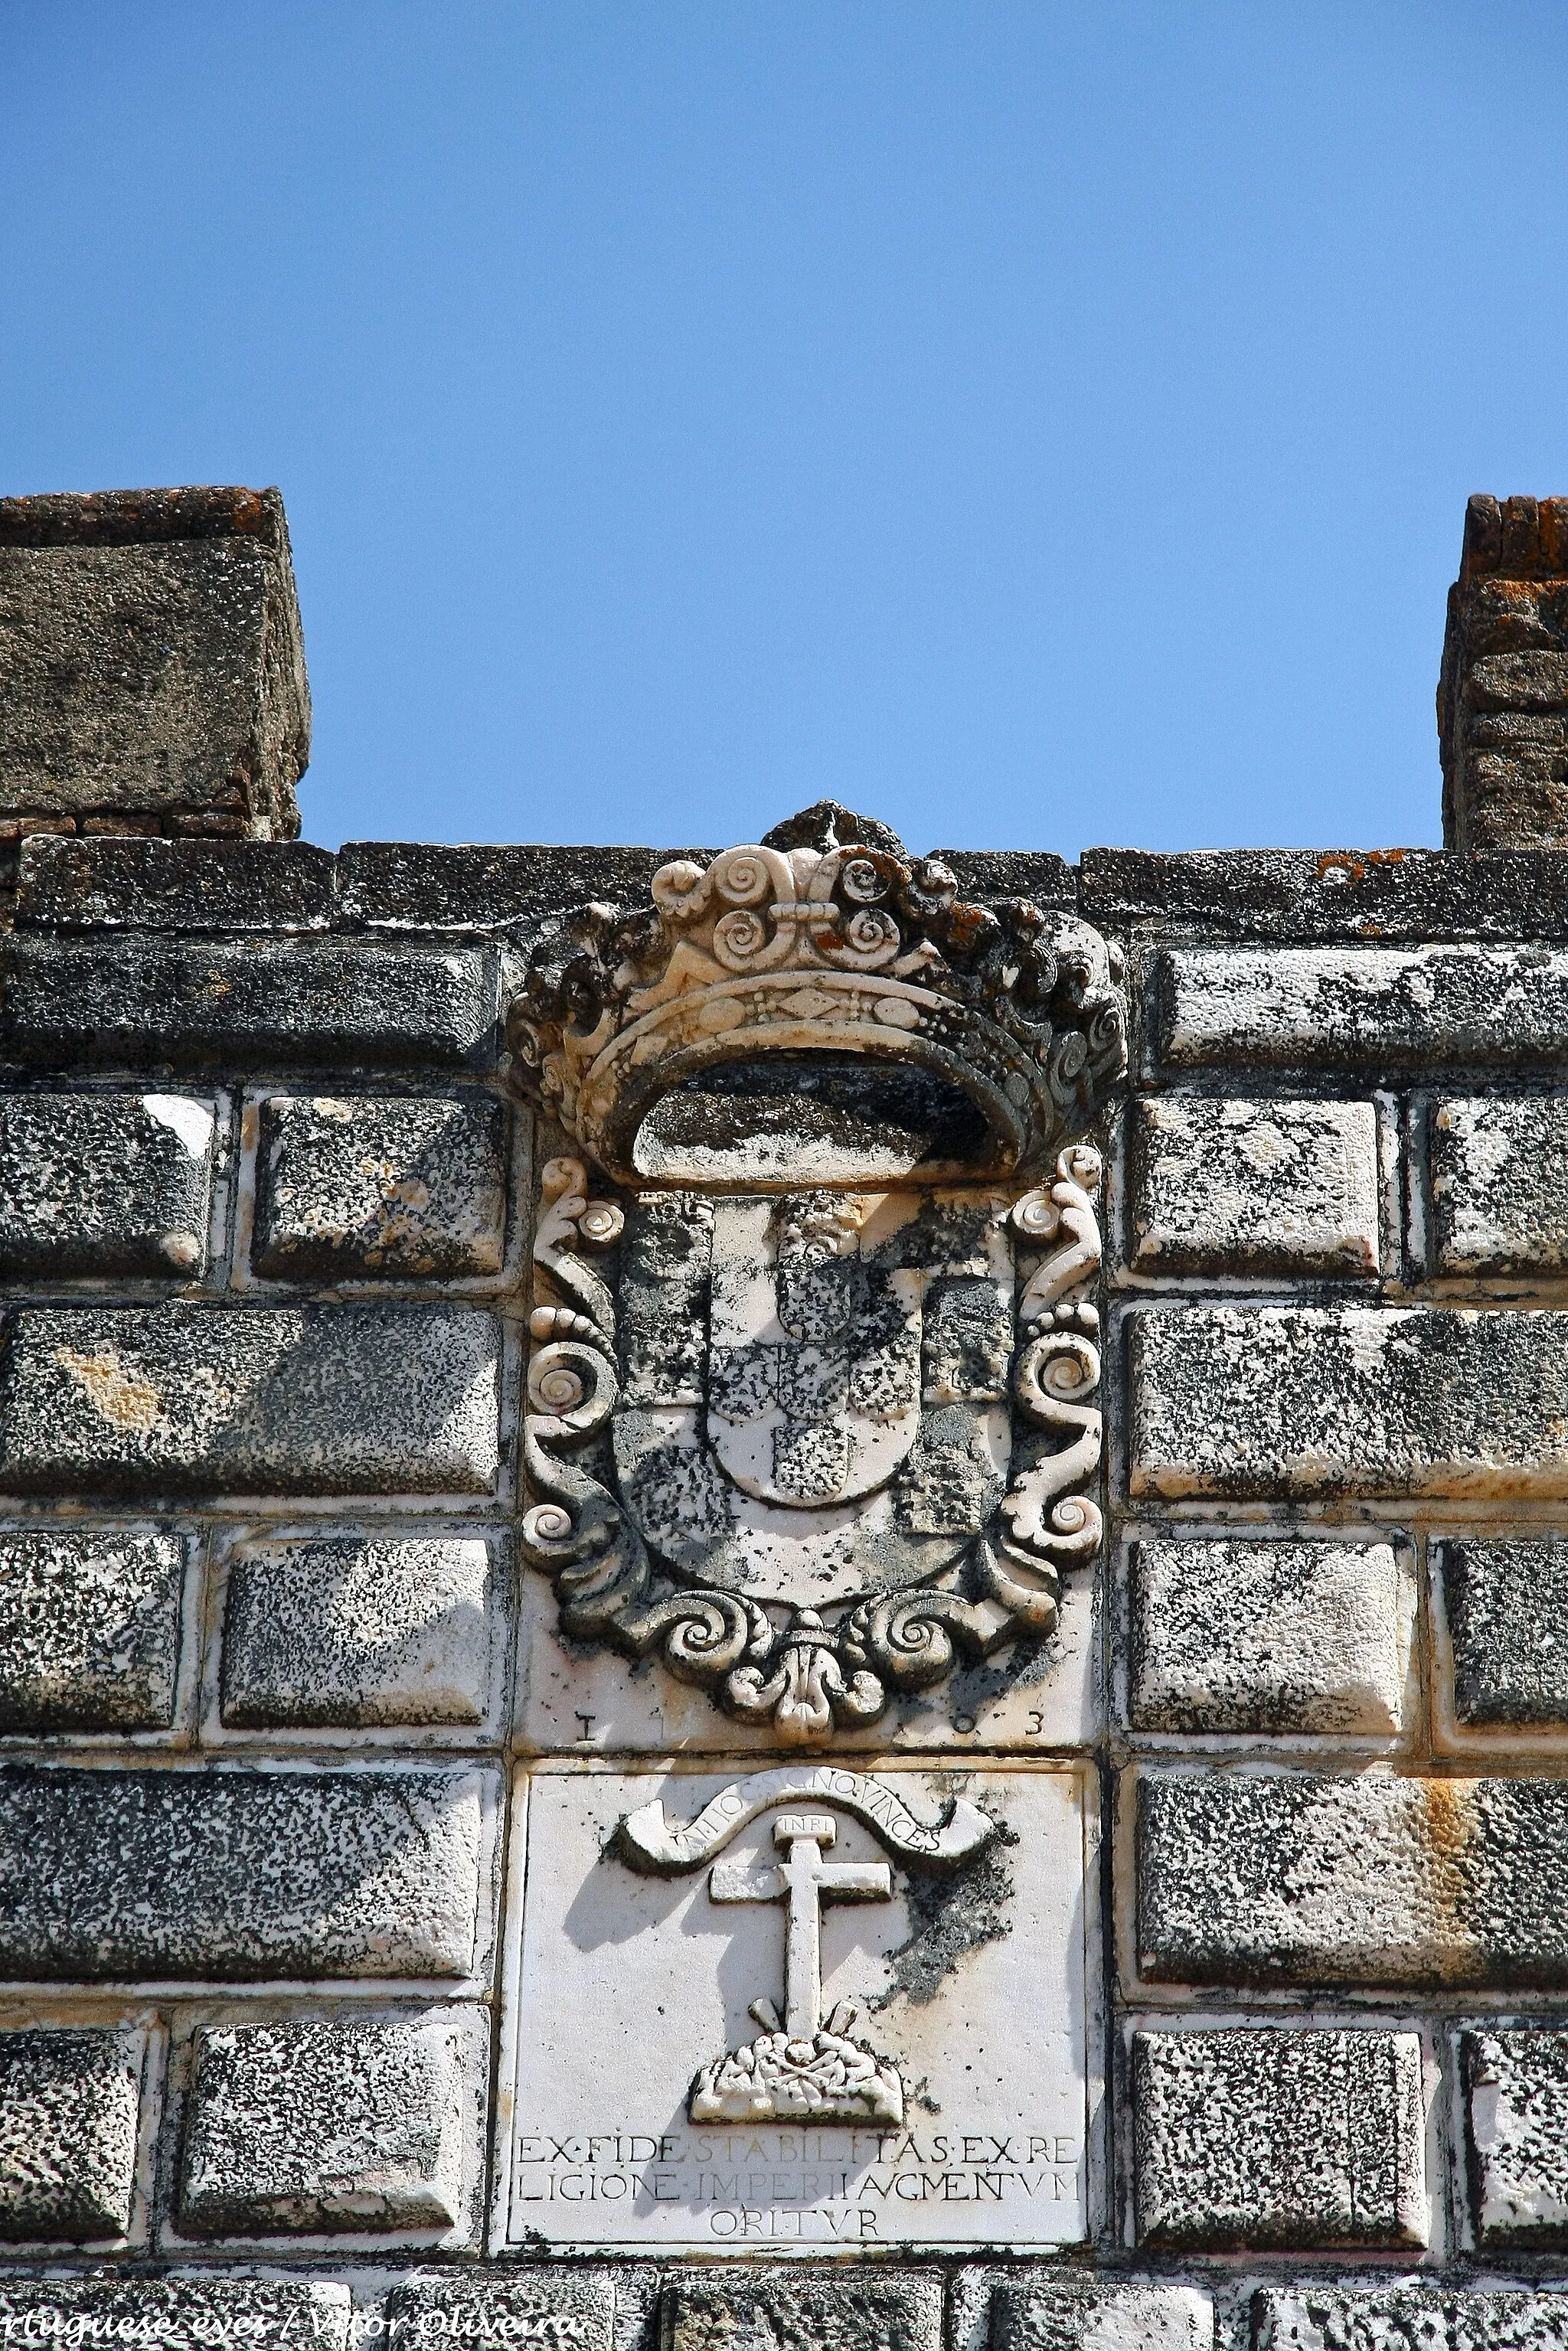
(967, 923)
(123, 1399)
(249, 514)
(1453, 1832)
(1354, 863)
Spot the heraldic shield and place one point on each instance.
(827, 1413)
(810, 1400)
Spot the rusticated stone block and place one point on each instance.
(1407, 2318)
(1516, 2086)
(1500, 1194)
(150, 660)
(350, 2123)
(177, 2313)
(1303, 896)
(105, 1184)
(358, 1635)
(1505, 1602)
(763, 2309)
(1259, 2139)
(503, 2309)
(108, 882)
(1267, 1636)
(90, 1629)
(420, 885)
(1372, 1009)
(1029, 2315)
(190, 1399)
(295, 1003)
(1273, 1401)
(377, 1188)
(1351, 1878)
(984, 875)
(68, 2104)
(1254, 1187)
(235, 1876)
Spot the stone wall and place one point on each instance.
(318, 1803)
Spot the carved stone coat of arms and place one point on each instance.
(815, 1350)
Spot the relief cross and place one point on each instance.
(804, 1881)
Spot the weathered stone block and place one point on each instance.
(1267, 1636)
(237, 1876)
(318, 1400)
(532, 2309)
(105, 1184)
(293, 1003)
(1505, 1602)
(90, 1629)
(150, 659)
(1502, 653)
(1499, 1192)
(1028, 2314)
(1358, 1008)
(759, 2312)
(178, 2314)
(1254, 1187)
(354, 2123)
(419, 885)
(372, 1188)
(1304, 895)
(1037, 874)
(1351, 1878)
(109, 883)
(1516, 2087)
(1520, 680)
(1274, 1401)
(1407, 2318)
(353, 1635)
(1264, 2138)
(68, 2104)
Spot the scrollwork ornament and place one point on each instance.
(862, 881)
(739, 938)
(843, 946)
(1046, 1517)
(804, 1676)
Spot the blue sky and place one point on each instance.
(1037, 425)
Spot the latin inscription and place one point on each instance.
(849, 2185)
(634, 1995)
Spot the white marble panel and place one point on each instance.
(967, 1984)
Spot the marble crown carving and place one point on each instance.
(817, 1427)
(849, 948)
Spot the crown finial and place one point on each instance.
(851, 948)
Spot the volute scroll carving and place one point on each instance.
(844, 949)
(811, 1431)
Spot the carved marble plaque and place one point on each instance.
(812, 1411)
(809, 2008)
